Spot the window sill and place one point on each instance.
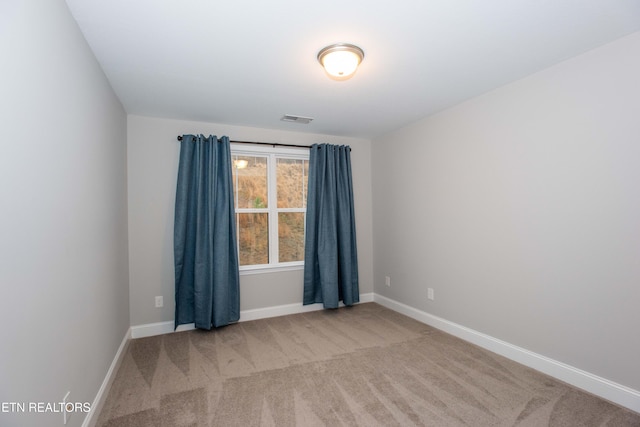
(245, 271)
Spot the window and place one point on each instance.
(270, 190)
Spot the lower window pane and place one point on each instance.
(291, 236)
(253, 237)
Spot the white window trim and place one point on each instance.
(272, 153)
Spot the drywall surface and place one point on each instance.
(63, 258)
(520, 210)
(153, 153)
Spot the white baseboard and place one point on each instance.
(161, 328)
(283, 310)
(91, 418)
(594, 384)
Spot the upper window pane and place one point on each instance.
(250, 181)
(291, 177)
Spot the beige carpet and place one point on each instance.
(364, 366)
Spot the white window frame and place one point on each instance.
(272, 154)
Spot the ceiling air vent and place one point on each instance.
(296, 119)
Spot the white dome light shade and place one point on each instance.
(340, 60)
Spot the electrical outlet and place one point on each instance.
(159, 302)
(430, 294)
(387, 280)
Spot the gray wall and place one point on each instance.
(521, 209)
(63, 254)
(153, 160)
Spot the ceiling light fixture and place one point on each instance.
(340, 60)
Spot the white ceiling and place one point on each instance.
(249, 62)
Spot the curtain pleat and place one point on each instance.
(331, 258)
(207, 277)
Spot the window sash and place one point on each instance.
(272, 154)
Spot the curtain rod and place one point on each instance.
(273, 144)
